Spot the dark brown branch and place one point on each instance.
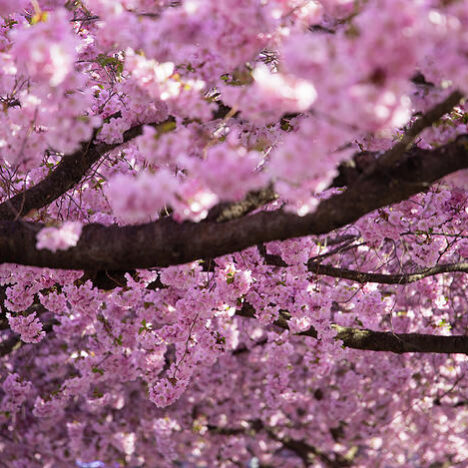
(306, 452)
(9, 344)
(371, 340)
(10, 102)
(366, 161)
(389, 158)
(71, 169)
(362, 277)
(14, 342)
(166, 242)
(224, 212)
(401, 342)
(85, 19)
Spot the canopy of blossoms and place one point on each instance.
(233, 233)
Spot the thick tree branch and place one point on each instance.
(73, 167)
(166, 242)
(371, 340)
(401, 342)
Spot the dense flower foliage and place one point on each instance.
(175, 114)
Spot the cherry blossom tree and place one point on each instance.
(233, 233)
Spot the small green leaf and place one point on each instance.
(96, 370)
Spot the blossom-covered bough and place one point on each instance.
(233, 233)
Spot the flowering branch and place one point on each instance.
(306, 452)
(166, 242)
(224, 212)
(389, 158)
(370, 340)
(7, 345)
(71, 169)
(404, 278)
(364, 277)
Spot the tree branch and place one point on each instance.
(9, 344)
(366, 161)
(14, 342)
(73, 167)
(166, 242)
(401, 342)
(227, 211)
(306, 452)
(64, 177)
(370, 340)
(363, 277)
(390, 157)
(405, 278)
(314, 266)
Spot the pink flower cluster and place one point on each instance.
(141, 199)
(62, 238)
(29, 327)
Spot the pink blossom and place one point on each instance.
(270, 96)
(225, 164)
(16, 392)
(29, 327)
(8, 7)
(61, 238)
(46, 50)
(140, 199)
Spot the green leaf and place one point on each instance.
(96, 370)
